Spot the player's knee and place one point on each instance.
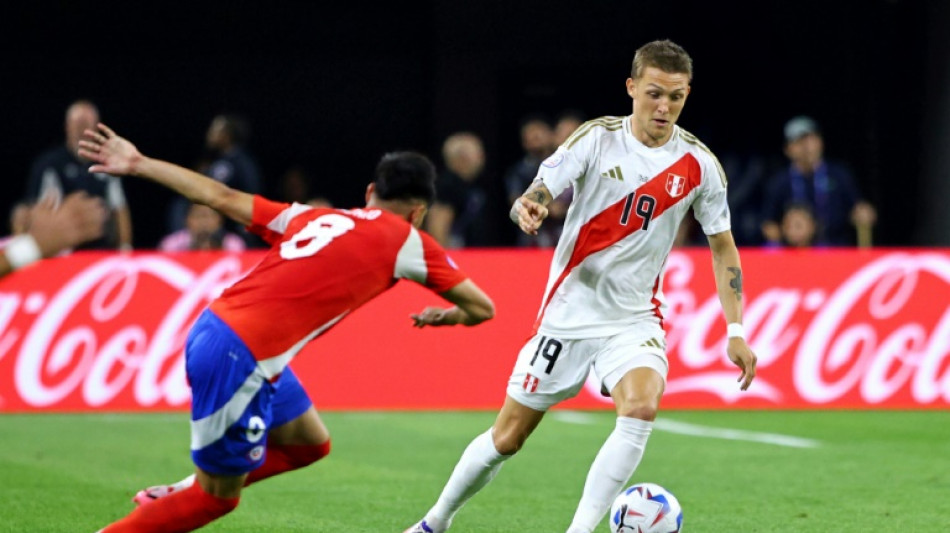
(641, 408)
(508, 442)
(303, 455)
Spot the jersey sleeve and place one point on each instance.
(563, 168)
(711, 207)
(269, 219)
(422, 260)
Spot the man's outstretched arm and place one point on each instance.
(119, 157)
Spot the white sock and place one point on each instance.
(613, 466)
(477, 466)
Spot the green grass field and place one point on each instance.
(868, 471)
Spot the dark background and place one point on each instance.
(333, 86)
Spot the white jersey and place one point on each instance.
(629, 200)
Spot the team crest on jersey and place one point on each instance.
(675, 185)
(554, 160)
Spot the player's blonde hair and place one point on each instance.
(664, 55)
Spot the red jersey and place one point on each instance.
(323, 263)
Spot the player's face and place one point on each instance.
(658, 100)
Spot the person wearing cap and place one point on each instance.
(827, 188)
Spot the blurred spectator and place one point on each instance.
(204, 230)
(538, 143)
(295, 186)
(567, 123)
(230, 163)
(60, 171)
(464, 212)
(52, 229)
(748, 178)
(827, 188)
(798, 226)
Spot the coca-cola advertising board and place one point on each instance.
(832, 328)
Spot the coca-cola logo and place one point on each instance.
(869, 334)
(829, 329)
(85, 336)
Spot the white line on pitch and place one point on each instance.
(696, 430)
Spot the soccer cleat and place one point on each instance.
(151, 494)
(421, 527)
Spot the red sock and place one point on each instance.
(285, 458)
(178, 512)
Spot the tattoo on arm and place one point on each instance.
(736, 281)
(538, 192)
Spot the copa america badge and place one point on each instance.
(554, 160)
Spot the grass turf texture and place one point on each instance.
(873, 471)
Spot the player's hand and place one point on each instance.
(110, 153)
(433, 316)
(529, 215)
(78, 219)
(741, 355)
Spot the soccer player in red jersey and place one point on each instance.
(250, 417)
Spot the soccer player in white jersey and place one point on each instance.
(251, 418)
(634, 180)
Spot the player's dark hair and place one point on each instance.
(405, 176)
(664, 55)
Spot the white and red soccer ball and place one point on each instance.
(646, 508)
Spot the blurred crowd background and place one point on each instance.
(831, 119)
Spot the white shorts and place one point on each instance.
(549, 370)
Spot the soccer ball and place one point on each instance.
(646, 508)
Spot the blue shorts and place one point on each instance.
(233, 406)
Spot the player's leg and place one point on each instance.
(299, 437)
(636, 385)
(230, 418)
(480, 462)
(294, 445)
(547, 371)
(211, 497)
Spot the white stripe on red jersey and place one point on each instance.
(629, 199)
(323, 264)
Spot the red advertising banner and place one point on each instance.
(831, 328)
